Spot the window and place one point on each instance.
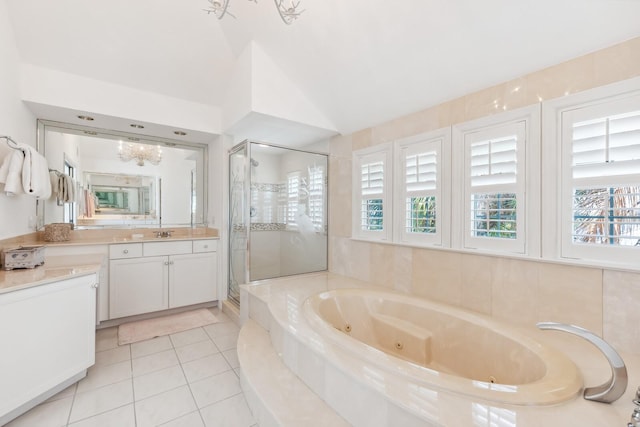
(372, 199)
(600, 196)
(69, 210)
(421, 209)
(293, 190)
(498, 208)
(494, 189)
(317, 197)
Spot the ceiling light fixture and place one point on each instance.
(140, 153)
(288, 12)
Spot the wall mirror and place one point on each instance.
(112, 179)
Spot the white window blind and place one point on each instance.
(494, 162)
(606, 146)
(494, 188)
(372, 214)
(317, 197)
(421, 181)
(372, 190)
(602, 180)
(419, 189)
(293, 189)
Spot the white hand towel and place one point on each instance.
(53, 177)
(35, 174)
(70, 196)
(10, 173)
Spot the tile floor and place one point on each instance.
(188, 379)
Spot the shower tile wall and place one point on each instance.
(520, 291)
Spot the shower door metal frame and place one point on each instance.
(246, 144)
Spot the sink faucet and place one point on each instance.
(611, 390)
(165, 233)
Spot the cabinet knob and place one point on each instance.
(166, 263)
(126, 251)
(206, 246)
(95, 286)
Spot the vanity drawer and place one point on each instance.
(126, 250)
(205, 246)
(167, 248)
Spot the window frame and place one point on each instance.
(528, 182)
(558, 174)
(440, 141)
(384, 153)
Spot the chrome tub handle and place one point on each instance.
(611, 390)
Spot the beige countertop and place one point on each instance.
(109, 236)
(55, 268)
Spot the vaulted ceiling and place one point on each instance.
(358, 62)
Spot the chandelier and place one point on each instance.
(140, 153)
(288, 13)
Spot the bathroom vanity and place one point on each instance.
(152, 276)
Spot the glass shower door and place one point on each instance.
(238, 220)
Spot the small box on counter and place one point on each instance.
(22, 257)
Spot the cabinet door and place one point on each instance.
(47, 336)
(192, 279)
(138, 285)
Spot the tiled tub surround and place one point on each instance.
(520, 291)
(364, 394)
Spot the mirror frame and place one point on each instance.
(44, 125)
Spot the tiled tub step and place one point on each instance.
(276, 395)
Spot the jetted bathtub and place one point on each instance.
(444, 348)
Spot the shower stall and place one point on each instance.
(277, 213)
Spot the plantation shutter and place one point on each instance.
(372, 178)
(421, 173)
(602, 179)
(293, 189)
(494, 164)
(495, 186)
(372, 213)
(607, 146)
(316, 197)
(420, 195)
(372, 209)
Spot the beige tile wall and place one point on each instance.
(519, 291)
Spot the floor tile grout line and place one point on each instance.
(191, 391)
(73, 400)
(97, 414)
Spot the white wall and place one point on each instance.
(17, 122)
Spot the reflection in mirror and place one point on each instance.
(154, 182)
(117, 196)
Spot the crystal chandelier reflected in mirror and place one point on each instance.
(288, 13)
(140, 153)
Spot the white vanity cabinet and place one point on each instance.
(48, 341)
(152, 276)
